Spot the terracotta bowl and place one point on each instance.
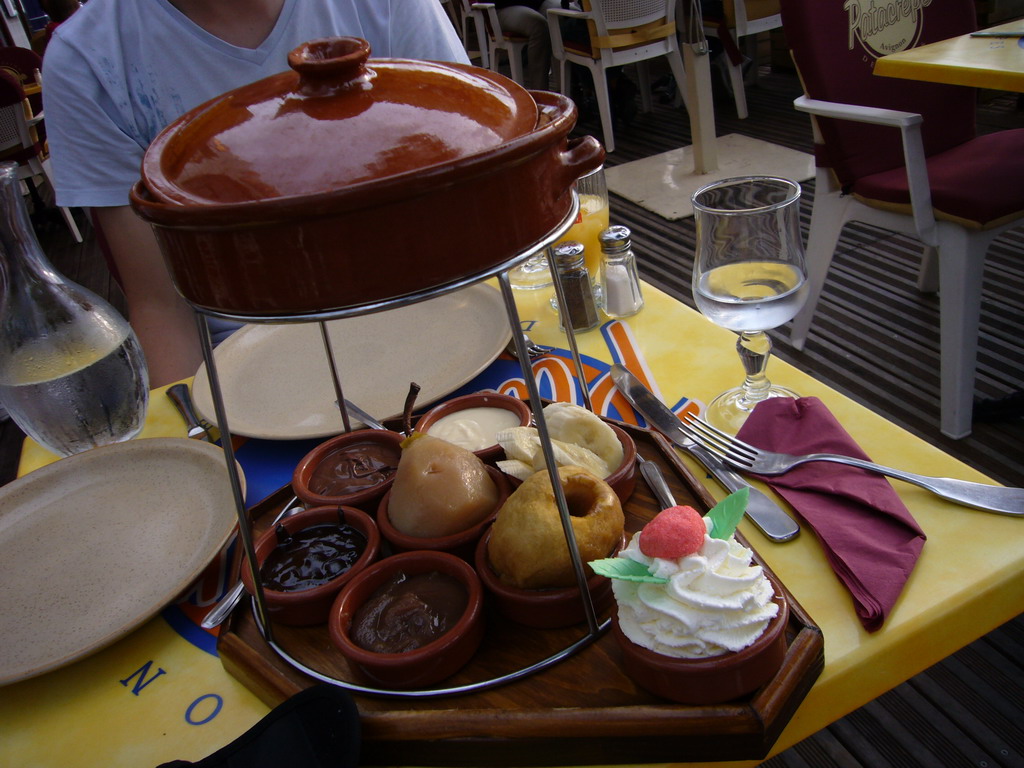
(365, 498)
(491, 452)
(429, 663)
(461, 544)
(310, 606)
(712, 680)
(623, 479)
(543, 608)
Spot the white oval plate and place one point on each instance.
(95, 544)
(276, 379)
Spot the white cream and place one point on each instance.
(715, 601)
(474, 428)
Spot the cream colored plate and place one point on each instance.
(276, 379)
(95, 544)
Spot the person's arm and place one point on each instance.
(164, 323)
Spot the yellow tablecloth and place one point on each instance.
(967, 582)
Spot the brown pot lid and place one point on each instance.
(336, 119)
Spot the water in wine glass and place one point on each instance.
(751, 296)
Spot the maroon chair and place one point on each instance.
(904, 155)
(23, 63)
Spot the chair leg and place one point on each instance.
(564, 81)
(739, 92)
(72, 225)
(643, 76)
(675, 62)
(961, 267)
(829, 215)
(604, 106)
(928, 275)
(68, 218)
(515, 64)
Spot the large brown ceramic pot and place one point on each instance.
(348, 181)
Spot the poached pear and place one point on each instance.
(439, 488)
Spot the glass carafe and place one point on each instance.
(72, 373)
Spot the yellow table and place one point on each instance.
(966, 583)
(981, 62)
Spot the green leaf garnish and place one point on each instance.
(625, 570)
(727, 513)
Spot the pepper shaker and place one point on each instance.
(580, 309)
(620, 282)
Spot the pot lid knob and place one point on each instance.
(331, 64)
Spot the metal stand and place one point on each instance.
(594, 629)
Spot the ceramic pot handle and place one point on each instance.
(580, 156)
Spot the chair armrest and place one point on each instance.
(909, 124)
(555, 29)
(494, 29)
(569, 12)
(855, 112)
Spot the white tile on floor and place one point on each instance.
(664, 183)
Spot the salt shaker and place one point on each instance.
(620, 282)
(580, 308)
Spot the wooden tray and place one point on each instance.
(582, 711)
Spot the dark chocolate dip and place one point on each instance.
(312, 556)
(354, 467)
(408, 612)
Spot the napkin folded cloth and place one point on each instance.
(869, 537)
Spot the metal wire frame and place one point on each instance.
(501, 272)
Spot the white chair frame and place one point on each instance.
(514, 47)
(953, 260)
(474, 17)
(16, 132)
(746, 30)
(607, 26)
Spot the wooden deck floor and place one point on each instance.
(874, 339)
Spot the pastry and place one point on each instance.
(527, 547)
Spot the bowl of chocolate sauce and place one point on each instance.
(354, 469)
(307, 558)
(410, 620)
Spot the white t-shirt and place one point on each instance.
(118, 71)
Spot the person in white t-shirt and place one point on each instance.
(118, 71)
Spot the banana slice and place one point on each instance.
(570, 423)
(515, 468)
(519, 443)
(572, 455)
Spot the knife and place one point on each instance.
(769, 517)
(656, 482)
(198, 428)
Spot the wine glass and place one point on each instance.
(749, 276)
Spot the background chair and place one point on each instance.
(20, 143)
(24, 65)
(620, 32)
(904, 156)
(473, 32)
(738, 23)
(495, 40)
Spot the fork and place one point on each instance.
(745, 457)
(532, 348)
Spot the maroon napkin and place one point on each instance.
(868, 535)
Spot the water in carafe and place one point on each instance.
(72, 373)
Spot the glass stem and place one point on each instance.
(754, 350)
